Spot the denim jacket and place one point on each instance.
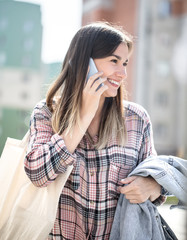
(169, 171)
(142, 221)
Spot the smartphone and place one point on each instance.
(93, 70)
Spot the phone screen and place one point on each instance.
(92, 70)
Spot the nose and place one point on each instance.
(122, 72)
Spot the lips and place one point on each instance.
(113, 82)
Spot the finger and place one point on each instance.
(99, 86)
(135, 201)
(93, 78)
(139, 198)
(101, 90)
(135, 198)
(128, 179)
(127, 189)
(97, 83)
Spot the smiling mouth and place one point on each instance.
(113, 83)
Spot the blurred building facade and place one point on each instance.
(21, 71)
(154, 80)
(159, 86)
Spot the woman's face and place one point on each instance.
(114, 68)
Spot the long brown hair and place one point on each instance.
(97, 40)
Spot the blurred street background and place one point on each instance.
(35, 35)
(177, 220)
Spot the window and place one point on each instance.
(164, 8)
(165, 39)
(161, 130)
(161, 99)
(2, 58)
(28, 45)
(163, 69)
(26, 61)
(28, 26)
(3, 24)
(2, 41)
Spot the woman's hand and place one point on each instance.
(90, 104)
(140, 189)
(91, 97)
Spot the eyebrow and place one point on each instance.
(118, 57)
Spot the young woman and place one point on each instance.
(89, 125)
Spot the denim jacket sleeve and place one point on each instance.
(169, 171)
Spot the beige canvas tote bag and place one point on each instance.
(26, 212)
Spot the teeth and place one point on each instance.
(112, 81)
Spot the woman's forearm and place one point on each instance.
(73, 138)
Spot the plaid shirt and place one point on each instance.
(88, 201)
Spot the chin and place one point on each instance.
(110, 94)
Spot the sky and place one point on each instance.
(60, 19)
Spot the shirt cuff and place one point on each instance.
(160, 200)
(163, 191)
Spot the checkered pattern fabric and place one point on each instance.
(88, 201)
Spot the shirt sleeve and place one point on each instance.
(147, 149)
(147, 145)
(47, 155)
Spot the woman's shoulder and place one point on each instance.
(41, 107)
(135, 109)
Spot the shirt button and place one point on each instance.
(114, 167)
(91, 173)
(92, 202)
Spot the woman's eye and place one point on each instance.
(125, 64)
(114, 60)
